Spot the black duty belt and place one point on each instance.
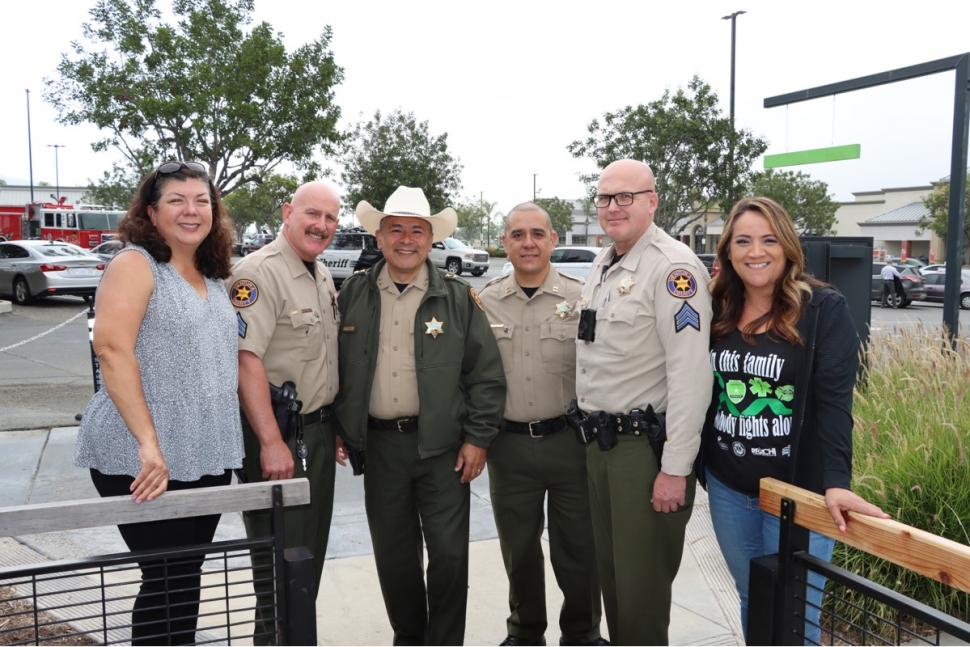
(536, 428)
(636, 422)
(321, 415)
(403, 425)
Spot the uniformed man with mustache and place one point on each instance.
(285, 304)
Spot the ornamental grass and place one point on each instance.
(912, 417)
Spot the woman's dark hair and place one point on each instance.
(214, 255)
(792, 292)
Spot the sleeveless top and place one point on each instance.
(187, 357)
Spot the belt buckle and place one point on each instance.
(399, 422)
(534, 422)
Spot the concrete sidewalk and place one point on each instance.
(35, 467)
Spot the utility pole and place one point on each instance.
(534, 186)
(734, 19)
(30, 151)
(57, 170)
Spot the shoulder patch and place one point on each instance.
(681, 284)
(242, 325)
(243, 293)
(687, 317)
(477, 299)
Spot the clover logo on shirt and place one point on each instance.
(785, 393)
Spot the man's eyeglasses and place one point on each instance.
(624, 199)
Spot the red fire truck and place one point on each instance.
(83, 225)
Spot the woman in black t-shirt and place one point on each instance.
(784, 352)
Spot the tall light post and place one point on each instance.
(734, 19)
(57, 169)
(30, 151)
(534, 186)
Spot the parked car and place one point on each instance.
(106, 251)
(454, 256)
(344, 255)
(912, 285)
(934, 282)
(39, 268)
(258, 241)
(711, 263)
(573, 260)
(940, 267)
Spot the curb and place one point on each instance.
(5, 306)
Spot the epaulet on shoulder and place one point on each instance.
(497, 279)
(453, 277)
(358, 272)
(572, 277)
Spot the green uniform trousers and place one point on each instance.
(304, 525)
(405, 495)
(638, 550)
(521, 469)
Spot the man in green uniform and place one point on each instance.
(286, 310)
(534, 320)
(422, 392)
(644, 342)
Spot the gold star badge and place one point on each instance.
(625, 284)
(682, 283)
(434, 328)
(563, 309)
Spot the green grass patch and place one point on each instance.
(912, 416)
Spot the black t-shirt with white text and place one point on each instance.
(754, 388)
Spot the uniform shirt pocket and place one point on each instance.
(503, 337)
(557, 344)
(616, 333)
(307, 323)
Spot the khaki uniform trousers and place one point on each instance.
(521, 469)
(638, 550)
(304, 525)
(405, 495)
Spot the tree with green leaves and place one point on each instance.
(807, 201)
(938, 220)
(395, 150)
(261, 204)
(201, 87)
(686, 141)
(116, 187)
(560, 212)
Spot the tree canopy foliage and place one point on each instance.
(807, 201)
(395, 150)
(199, 88)
(261, 204)
(938, 220)
(560, 212)
(686, 141)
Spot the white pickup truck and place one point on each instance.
(455, 256)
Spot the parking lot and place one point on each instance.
(44, 383)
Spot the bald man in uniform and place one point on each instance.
(648, 347)
(285, 304)
(534, 320)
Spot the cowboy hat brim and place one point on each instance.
(443, 223)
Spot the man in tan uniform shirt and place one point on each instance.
(647, 294)
(533, 315)
(285, 304)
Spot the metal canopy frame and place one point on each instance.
(958, 156)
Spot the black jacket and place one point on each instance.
(826, 365)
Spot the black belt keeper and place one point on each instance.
(402, 425)
(321, 415)
(536, 428)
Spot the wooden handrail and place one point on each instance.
(925, 553)
(110, 511)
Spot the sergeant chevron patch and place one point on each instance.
(685, 317)
(242, 325)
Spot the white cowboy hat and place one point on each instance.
(408, 202)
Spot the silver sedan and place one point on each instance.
(39, 268)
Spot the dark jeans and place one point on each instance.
(167, 607)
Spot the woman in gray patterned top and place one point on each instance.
(168, 415)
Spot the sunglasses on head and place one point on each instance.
(171, 167)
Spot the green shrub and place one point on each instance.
(912, 413)
(495, 252)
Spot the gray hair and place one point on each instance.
(528, 206)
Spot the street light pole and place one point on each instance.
(30, 151)
(57, 169)
(734, 19)
(534, 186)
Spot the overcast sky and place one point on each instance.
(514, 82)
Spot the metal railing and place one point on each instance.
(854, 610)
(206, 590)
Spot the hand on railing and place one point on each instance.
(839, 501)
